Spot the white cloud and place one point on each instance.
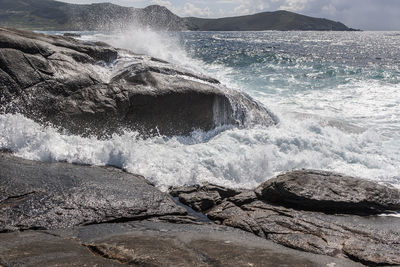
(294, 5)
(117, 2)
(245, 7)
(191, 10)
(165, 3)
(363, 14)
(329, 9)
(241, 10)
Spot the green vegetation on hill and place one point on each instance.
(278, 20)
(34, 14)
(54, 15)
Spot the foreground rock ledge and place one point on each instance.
(86, 215)
(151, 244)
(38, 195)
(92, 88)
(45, 196)
(311, 211)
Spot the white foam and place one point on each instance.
(234, 157)
(390, 215)
(238, 157)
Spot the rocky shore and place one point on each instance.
(314, 211)
(61, 214)
(66, 214)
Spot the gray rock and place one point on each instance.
(329, 192)
(32, 248)
(37, 195)
(151, 244)
(202, 197)
(371, 240)
(72, 34)
(94, 89)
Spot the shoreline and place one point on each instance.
(105, 215)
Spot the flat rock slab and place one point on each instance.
(362, 239)
(37, 195)
(151, 244)
(32, 248)
(329, 192)
(289, 210)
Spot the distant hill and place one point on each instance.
(279, 20)
(54, 15)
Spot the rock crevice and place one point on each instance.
(314, 211)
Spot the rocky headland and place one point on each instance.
(57, 15)
(61, 214)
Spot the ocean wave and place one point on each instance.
(338, 117)
(233, 157)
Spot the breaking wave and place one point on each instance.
(331, 116)
(228, 156)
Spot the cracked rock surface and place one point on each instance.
(38, 195)
(151, 244)
(289, 211)
(107, 217)
(329, 192)
(94, 89)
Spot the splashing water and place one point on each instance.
(162, 45)
(337, 96)
(234, 157)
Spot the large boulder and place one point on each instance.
(37, 195)
(312, 211)
(92, 88)
(330, 193)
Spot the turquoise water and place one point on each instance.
(351, 76)
(336, 94)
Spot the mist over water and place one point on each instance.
(337, 96)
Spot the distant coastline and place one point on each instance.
(52, 15)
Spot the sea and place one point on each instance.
(336, 96)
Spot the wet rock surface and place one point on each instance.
(92, 88)
(38, 195)
(60, 214)
(100, 211)
(202, 197)
(151, 244)
(330, 193)
(272, 213)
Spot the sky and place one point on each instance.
(359, 14)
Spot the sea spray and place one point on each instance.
(233, 157)
(143, 40)
(337, 110)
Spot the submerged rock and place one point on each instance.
(314, 211)
(151, 244)
(72, 34)
(92, 88)
(37, 195)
